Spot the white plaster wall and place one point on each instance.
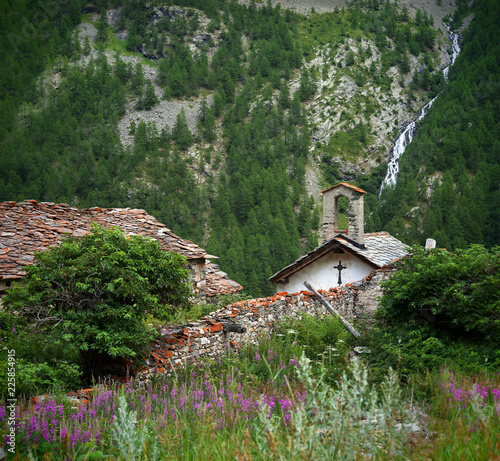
(321, 274)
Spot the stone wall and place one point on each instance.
(214, 334)
(368, 291)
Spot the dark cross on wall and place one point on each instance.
(339, 267)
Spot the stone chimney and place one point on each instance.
(355, 212)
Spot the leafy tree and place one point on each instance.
(95, 292)
(457, 292)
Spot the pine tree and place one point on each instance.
(181, 133)
(137, 82)
(284, 97)
(149, 99)
(227, 87)
(176, 82)
(121, 70)
(102, 28)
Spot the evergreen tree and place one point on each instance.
(149, 99)
(176, 82)
(181, 133)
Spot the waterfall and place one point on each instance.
(406, 136)
(455, 51)
(399, 147)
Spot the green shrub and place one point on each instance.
(457, 292)
(41, 366)
(415, 352)
(94, 293)
(317, 334)
(406, 351)
(40, 377)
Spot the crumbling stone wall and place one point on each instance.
(368, 292)
(214, 334)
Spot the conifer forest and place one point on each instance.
(225, 119)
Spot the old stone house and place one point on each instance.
(30, 226)
(344, 256)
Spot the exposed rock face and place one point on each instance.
(331, 108)
(164, 114)
(114, 16)
(392, 114)
(307, 7)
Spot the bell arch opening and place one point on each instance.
(341, 207)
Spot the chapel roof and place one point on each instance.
(30, 226)
(380, 249)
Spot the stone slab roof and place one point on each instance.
(218, 283)
(30, 226)
(381, 249)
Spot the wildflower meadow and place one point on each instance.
(270, 401)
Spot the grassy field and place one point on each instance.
(295, 395)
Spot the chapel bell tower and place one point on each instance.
(355, 212)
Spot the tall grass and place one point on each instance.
(466, 418)
(268, 402)
(203, 409)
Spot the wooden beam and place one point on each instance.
(233, 327)
(332, 310)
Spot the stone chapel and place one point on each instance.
(344, 256)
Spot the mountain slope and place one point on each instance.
(220, 119)
(448, 188)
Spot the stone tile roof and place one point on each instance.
(381, 249)
(218, 283)
(31, 226)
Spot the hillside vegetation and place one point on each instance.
(209, 114)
